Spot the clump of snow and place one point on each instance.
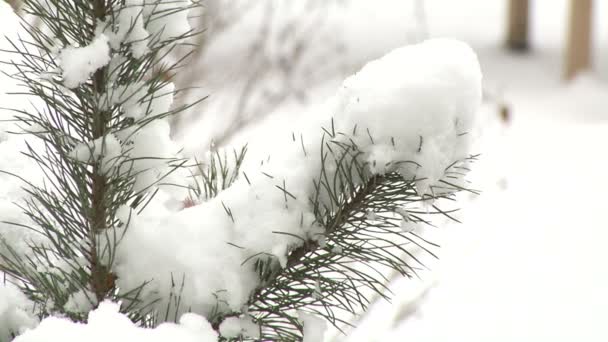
(141, 23)
(107, 148)
(314, 327)
(167, 20)
(233, 327)
(129, 96)
(80, 302)
(337, 249)
(106, 323)
(148, 149)
(130, 22)
(138, 100)
(15, 311)
(143, 153)
(79, 63)
(206, 252)
(417, 104)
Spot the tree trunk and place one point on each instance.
(517, 34)
(578, 48)
(15, 4)
(101, 279)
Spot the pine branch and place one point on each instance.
(336, 275)
(75, 210)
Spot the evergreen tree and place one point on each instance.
(99, 69)
(102, 72)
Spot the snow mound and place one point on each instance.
(15, 312)
(415, 104)
(79, 63)
(418, 103)
(107, 324)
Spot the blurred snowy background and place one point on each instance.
(529, 261)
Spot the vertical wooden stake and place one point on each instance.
(517, 32)
(578, 46)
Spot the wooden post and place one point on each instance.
(517, 34)
(578, 46)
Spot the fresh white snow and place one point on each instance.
(314, 327)
(233, 327)
(107, 148)
(528, 262)
(106, 323)
(79, 63)
(214, 237)
(15, 312)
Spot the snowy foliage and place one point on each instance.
(79, 63)
(435, 98)
(93, 134)
(15, 312)
(417, 104)
(407, 113)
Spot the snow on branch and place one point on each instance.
(79, 64)
(406, 114)
(273, 251)
(97, 137)
(15, 316)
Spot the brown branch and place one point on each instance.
(339, 220)
(102, 280)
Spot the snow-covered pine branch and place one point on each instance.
(95, 73)
(305, 236)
